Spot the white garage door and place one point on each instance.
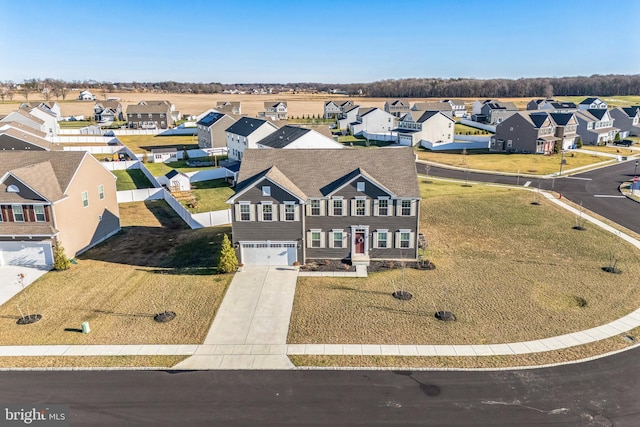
(405, 140)
(26, 253)
(268, 253)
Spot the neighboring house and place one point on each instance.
(229, 107)
(595, 127)
(274, 110)
(45, 114)
(566, 128)
(297, 137)
(348, 116)
(397, 107)
(592, 104)
(54, 108)
(372, 121)
(426, 128)
(26, 119)
(23, 128)
(107, 111)
(85, 95)
(245, 133)
(303, 205)
(525, 132)
(175, 181)
(627, 119)
(53, 196)
(493, 113)
(163, 155)
(12, 138)
(334, 109)
(443, 107)
(477, 105)
(552, 105)
(212, 130)
(457, 107)
(151, 115)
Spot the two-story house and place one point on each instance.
(566, 128)
(274, 110)
(301, 205)
(426, 128)
(627, 120)
(443, 107)
(53, 196)
(229, 107)
(457, 107)
(525, 132)
(372, 121)
(150, 115)
(290, 137)
(348, 116)
(595, 126)
(52, 108)
(397, 107)
(496, 112)
(245, 133)
(26, 119)
(592, 104)
(107, 111)
(333, 109)
(551, 105)
(212, 130)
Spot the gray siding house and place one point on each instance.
(212, 130)
(397, 107)
(525, 132)
(627, 119)
(150, 115)
(299, 205)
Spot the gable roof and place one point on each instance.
(563, 105)
(145, 107)
(432, 106)
(538, 119)
(28, 138)
(283, 136)
(631, 111)
(114, 105)
(397, 103)
(47, 172)
(588, 101)
(210, 119)
(366, 110)
(598, 113)
(23, 128)
(561, 119)
(316, 172)
(274, 104)
(245, 126)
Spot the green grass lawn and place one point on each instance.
(536, 164)
(131, 179)
(469, 130)
(159, 169)
(155, 263)
(359, 142)
(75, 124)
(210, 195)
(509, 270)
(146, 143)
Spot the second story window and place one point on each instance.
(337, 207)
(39, 212)
(101, 192)
(360, 207)
(289, 212)
(267, 212)
(245, 212)
(383, 207)
(315, 207)
(18, 214)
(405, 209)
(85, 199)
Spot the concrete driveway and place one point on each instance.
(9, 285)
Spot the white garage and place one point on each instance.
(268, 253)
(32, 254)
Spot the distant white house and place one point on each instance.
(426, 128)
(85, 95)
(291, 137)
(372, 121)
(245, 133)
(162, 155)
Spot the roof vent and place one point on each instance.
(13, 189)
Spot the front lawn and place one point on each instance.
(210, 195)
(155, 263)
(131, 179)
(359, 142)
(536, 164)
(510, 271)
(469, 130)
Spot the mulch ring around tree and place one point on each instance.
(165, 316)
(402, 295)
(27, 320)
(445, 316)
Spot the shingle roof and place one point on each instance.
(283, 136)
(561, 119)
(538, 119)
(316, 172)
(246, 125)
(47, 172)
(29, 138)
(27, 229)
(432, 106)
(145, 107)
(597, 113)
(365, 110)
(588, 101)
(24, 128)
(631, 111)
(563, 105)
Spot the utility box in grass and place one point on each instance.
(85, 328)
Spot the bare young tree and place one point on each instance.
(63, 92)
(3, 93)
(26, 90)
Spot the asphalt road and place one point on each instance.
(597, 190)
(595, 393)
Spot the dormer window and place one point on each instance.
(266, 191)
(360, 186)
(13, 189)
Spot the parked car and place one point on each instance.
(625, 142)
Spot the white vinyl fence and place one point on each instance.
(139, 195)
(87, 139)
(473, 138)
(390, 136)
(456, 145)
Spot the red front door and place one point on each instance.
(359, 243)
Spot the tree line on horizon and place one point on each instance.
(543, 87)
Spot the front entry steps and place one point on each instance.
(361, 270)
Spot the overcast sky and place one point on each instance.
(316, 41)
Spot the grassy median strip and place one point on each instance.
(156, 263)
(509, 270)
(91, 361)
(533, 164)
